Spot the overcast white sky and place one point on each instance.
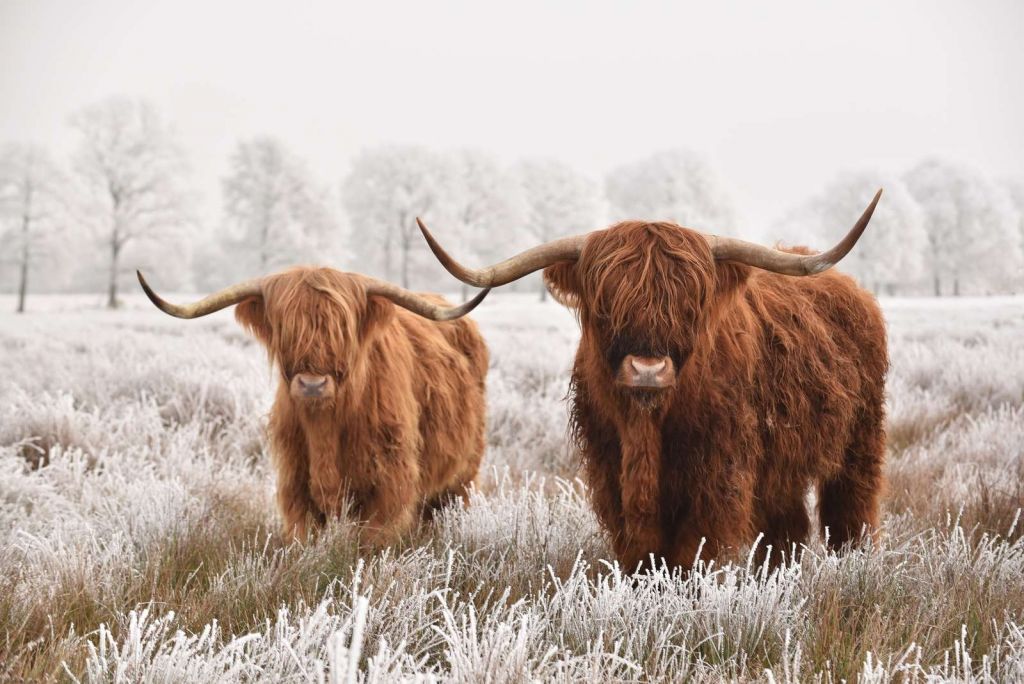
(780, 95)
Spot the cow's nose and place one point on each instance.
(311, 385)
(647, 372)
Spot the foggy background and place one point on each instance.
(207, 143)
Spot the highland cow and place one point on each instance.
(712, 388)
(380, 404)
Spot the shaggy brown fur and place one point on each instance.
(402, 426)
(780, 385)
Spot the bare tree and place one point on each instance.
(893, 250)
(489, 208)
(134, 171)
(674, 185)
(30, 209)
(387, 188)
(1015, 190)
(278, 209)
(971, 225)
(559, 201)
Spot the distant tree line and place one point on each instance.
(124, 200)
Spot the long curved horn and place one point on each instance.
(421, 305)
(513, 268)
(731, 249)
(207, 305)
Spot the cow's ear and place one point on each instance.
(562, 281)
(379, 311)
(252, 314)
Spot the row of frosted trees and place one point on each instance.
(125, 200)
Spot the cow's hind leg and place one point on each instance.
(848, 503)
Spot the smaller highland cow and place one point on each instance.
(376, 406)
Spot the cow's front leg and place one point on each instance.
(641, 535)
(717, 527)
(387, 519)
(390, 508)
(300, 514)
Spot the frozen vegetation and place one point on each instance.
(138, 536)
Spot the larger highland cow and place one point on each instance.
(711, 387)
(378, 404)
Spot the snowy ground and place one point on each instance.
(138, 533)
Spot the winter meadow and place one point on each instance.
(139, 536)
(141, 539)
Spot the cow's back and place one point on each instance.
(450, 368)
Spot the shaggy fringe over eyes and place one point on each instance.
(315, 318)
(656, 291)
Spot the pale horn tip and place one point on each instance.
(158, 301)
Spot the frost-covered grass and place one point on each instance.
(138, 536)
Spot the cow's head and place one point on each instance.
(314, 321)
(645, 293)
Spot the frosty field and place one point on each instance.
(139, 539)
